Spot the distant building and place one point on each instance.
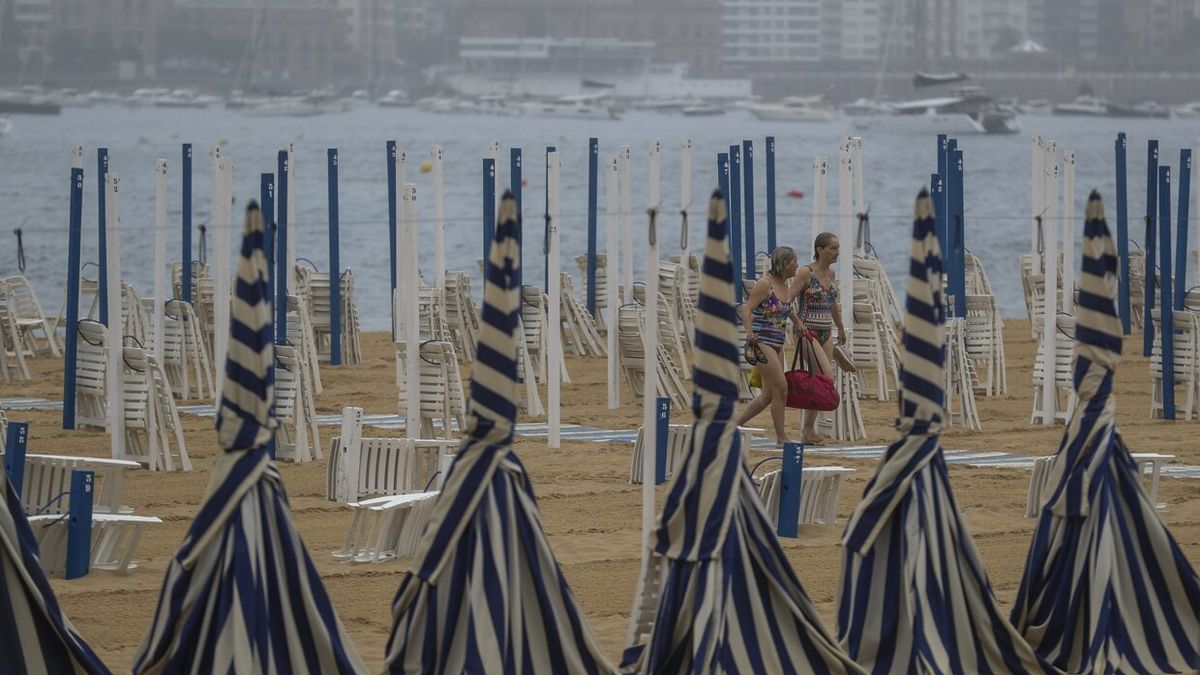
(1069, 27)
(769, 33)
(372, 34)
(110, 32)
(32, 24)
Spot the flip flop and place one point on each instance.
(843, 360)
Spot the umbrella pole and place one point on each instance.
(102, 230)
(439, 227)
(221, 219)
(748, 208)
(845, 271)
(514, 182)
(292, 222)
(593, 174)
(1068, 282)
(335, 265)
(685, 203)
(626, 212)
(1181, 231)
(391, 190)
(1166, 317)
(489, 206)
(859, 199)
(734, 198)
(74, 243)
(113, 376)
(1149, 257)
(412, 414)
(612, 276)
(772, 237)
(160, 253)
(650, 356)
(185, 278)
(1049, 391)
(1037, 185)
(553, 318)
(1123, 289)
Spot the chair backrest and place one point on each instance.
(23, 302)
(49, 476)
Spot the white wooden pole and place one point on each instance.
(554, 311)
(1068, 232)
(1038, 183)
(1049, 391)
(1193, 231)
(439, 222)
(293, 220)
(650, 371)
(412, 338)
(627, 221)
(845, 270)
(160, 254)
(77, 158)
(221, 217)
(114, 335)
(612, 256)
(685, 205)
(860, 205)
(494, 153)
(820, 170)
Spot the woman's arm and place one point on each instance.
(760, 291)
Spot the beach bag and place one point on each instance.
(808, 389)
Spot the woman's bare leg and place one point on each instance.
(822, 363)
(775, 383)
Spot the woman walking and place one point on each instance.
(815, 284)
(765, 315)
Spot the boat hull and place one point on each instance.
(935, 123)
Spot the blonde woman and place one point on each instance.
(764, 316)
(815, 286)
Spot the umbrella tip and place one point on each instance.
(924, 193)
(1095, 196)
(717, 194)
(508, 194)
(252, 206)
(1095, 207)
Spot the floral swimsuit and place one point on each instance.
(816, 304)
(769, 323)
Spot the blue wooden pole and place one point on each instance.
(74, 242)
(957, 234)
(723, 180)
(593, 178)
(102, 219)
(949, 200)
(186, 280)
(514, 184)
(662, 427)
(489, 206)
(937, 190)
(546, 223)
(790, 477)
(748, 204)
(1181, 228)
(1151, 262)
(15, 444)
(266, 200)
(1123, 236)
(942, 160)
(281, 238)
(1167, 306)
(772, 236)
(79, 524)
(335, 266)
(939, 196)
(735, 216)
(391, 188)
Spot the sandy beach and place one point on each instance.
(589, 510)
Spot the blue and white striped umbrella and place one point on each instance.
(914, 597)
(730, 602)
(242, 595)
(35, 637)
(1106, 588)
(485, 593)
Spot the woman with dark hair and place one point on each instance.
(816, 288)
(765, 315)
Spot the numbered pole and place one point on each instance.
(845, 271)
(791, 478)
(15, 444)
(1166, 303)
(593, 178)
(412, 318)
(293, 219)
(160, 254)
(958, 253)
(1181, 228)
(772, 240)
(820, 171)
(186, 171)
(489, 206)
(335, 266)
(266, 200)
(685, 205)
(1068, 232)
(735, 216)
(546, 234)
(1049, 391)
(101, 219)
(612, 255)
(281, 239)
(514, 177)
(1037, 186)
(74, 243)
(627, 244)
(79, 524)
(751, 250)
(391, 190)
(650, 374)
(1148, 242)
(1123, 235)
(439, 223)
(115, 325)
(554, 294)
(662, 427)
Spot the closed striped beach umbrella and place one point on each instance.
(242, 595)
(35, 637)
(485, 593)
(914, 597)
(730, 602)
(1106, 588)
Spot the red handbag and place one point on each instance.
(808, 389)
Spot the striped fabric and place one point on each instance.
(242, 595)
(35, 637)
(1106, 588)
(484, 593)
(914, 597)
(730, 602)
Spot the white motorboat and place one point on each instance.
(582, 106)
(396, 98)
(865, 107)
(796, 109)
(702, 110)
(182, 98)
(1187, 111)
(1083, 106)
(283, 107)
(969, 111)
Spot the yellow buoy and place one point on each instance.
(426, 166)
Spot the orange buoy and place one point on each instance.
(798, 194)
(524, 182)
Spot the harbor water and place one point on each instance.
(35, 167)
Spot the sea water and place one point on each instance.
(35, 168)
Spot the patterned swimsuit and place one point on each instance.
(769, 320)
(816, 307)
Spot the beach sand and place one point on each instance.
(589, 510)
